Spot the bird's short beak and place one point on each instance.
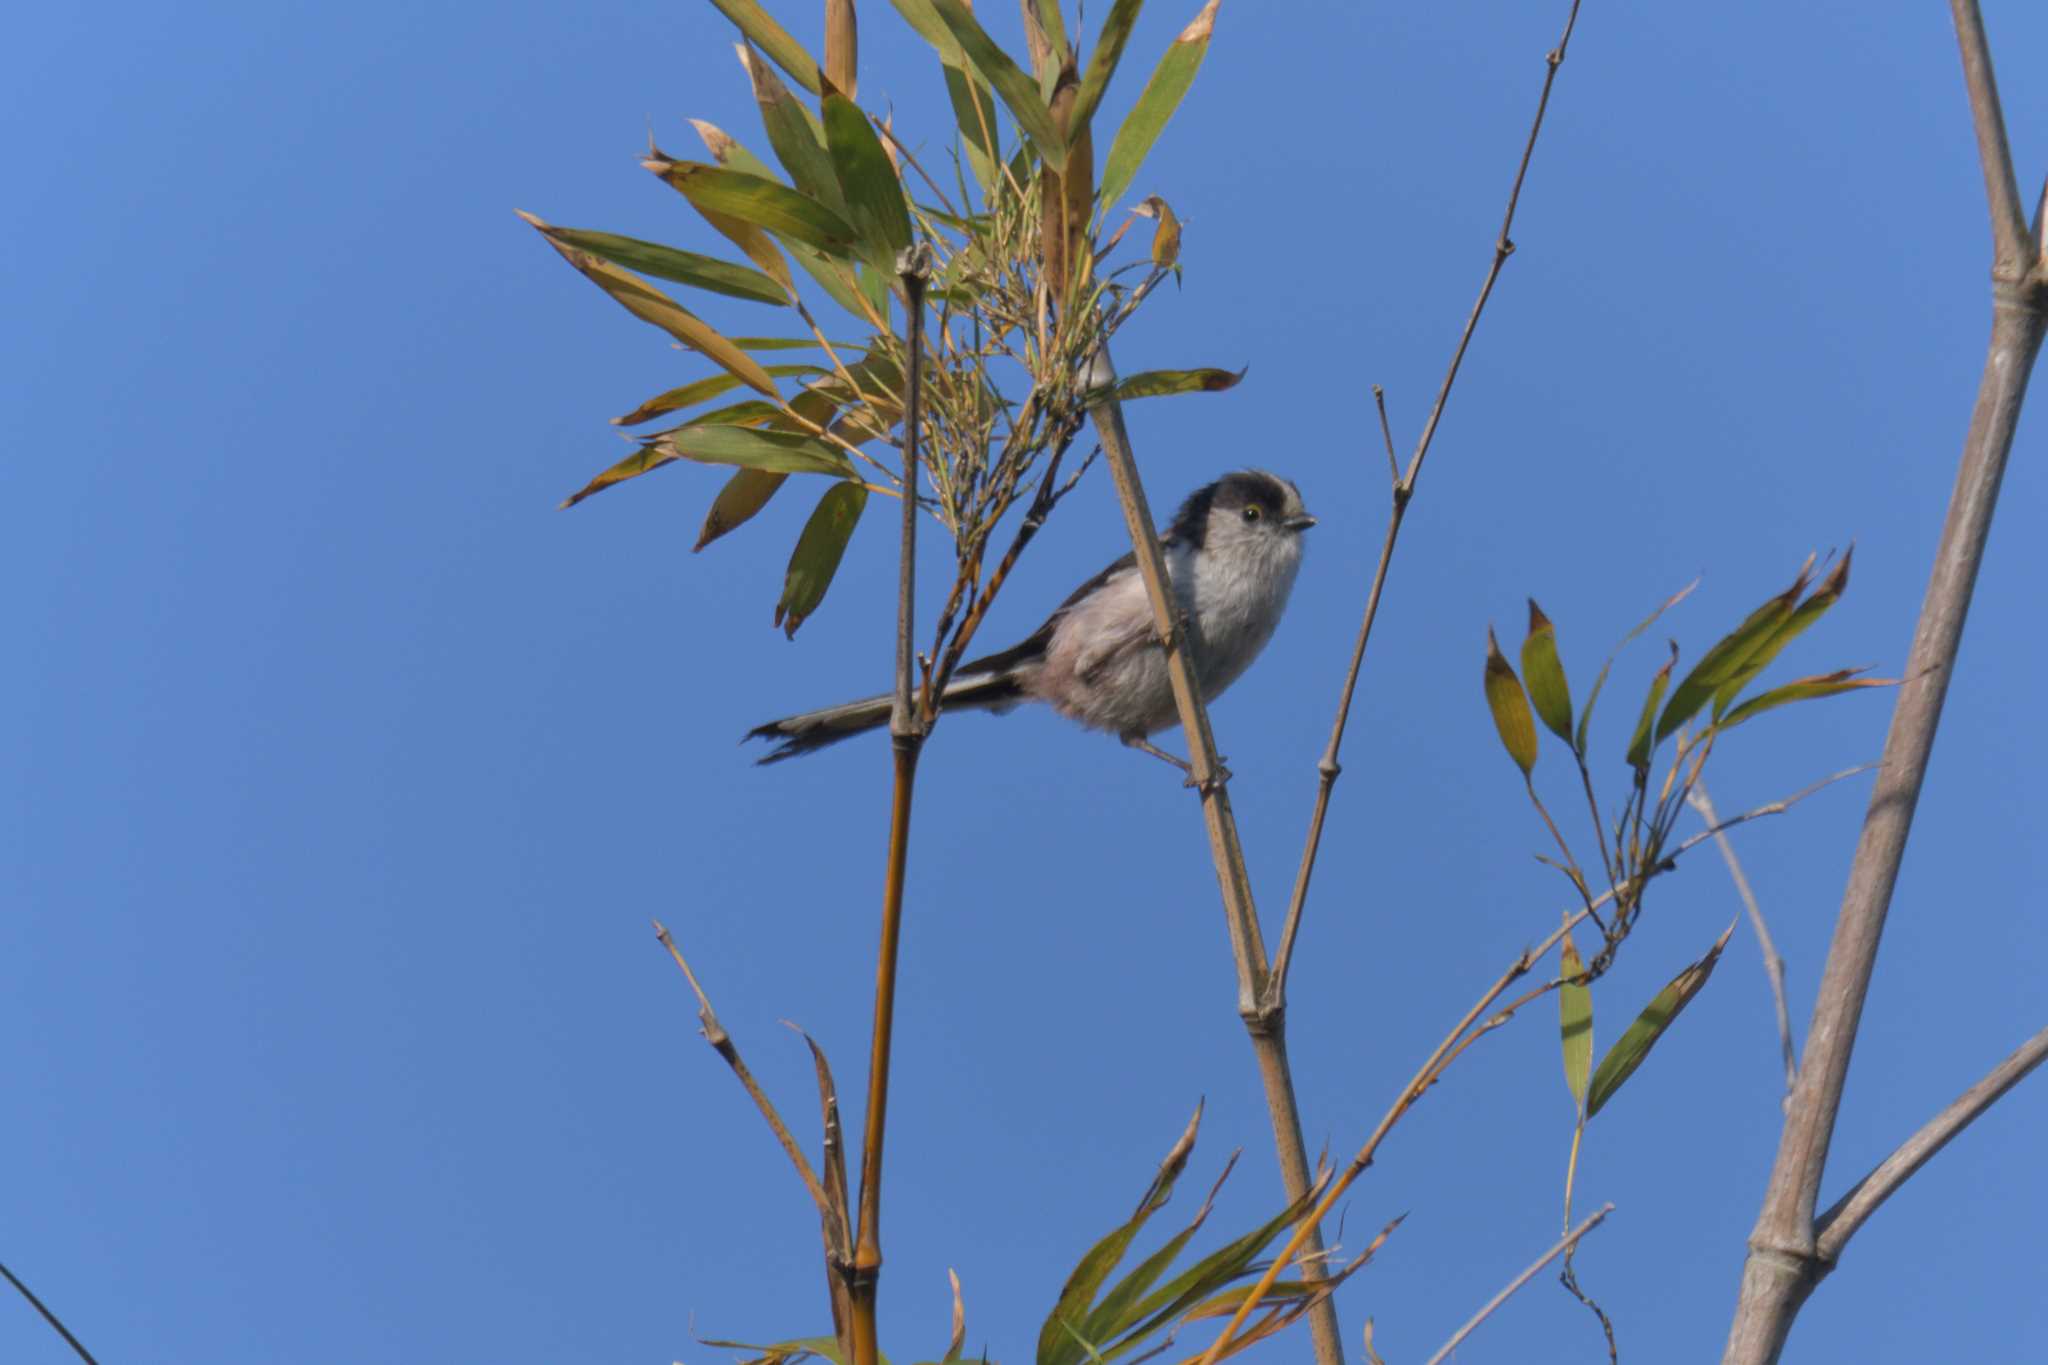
(1300, 523)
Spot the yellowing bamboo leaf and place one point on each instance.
(759, 201)
(1510, 708)
(688, 395)
(653, 453)
(1635, 1043)
(744, 494)
(649, 304)
(1545, 675)
(772, 38)
(1159, 383)
(668, 263)
(1162, 95)
(1803, 689)
(818, 552)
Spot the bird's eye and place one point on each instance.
(1253, 512)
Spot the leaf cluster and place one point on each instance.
(1019, 285)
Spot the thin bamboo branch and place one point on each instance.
(1327, 767)
(1266, 1028)
(1784, 1265)
(1570, 1240)
(49, 1317)
(1774, 965)
(1852, 1210)
(906, 740)
(2009, 235)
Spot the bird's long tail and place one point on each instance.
(801, 734)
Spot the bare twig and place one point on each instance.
(1849, 1213)
(832, 1213)
(1774, 966)
(1784, 1263)
(1570, 1240)
(2009, 235)
(1327, 767)
(49, 1317)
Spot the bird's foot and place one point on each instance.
(1206, 785)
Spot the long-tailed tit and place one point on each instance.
(1231, 553)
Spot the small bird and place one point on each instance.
(1232, 553)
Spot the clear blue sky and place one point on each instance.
(344, 772)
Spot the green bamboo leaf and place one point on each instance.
(818, 552)
(1102, 63)
(1055, 27)
(668, 263)
(1162, 95)
(772, 38)
(1640, 743)
(1636, 1041)
(785, 452)
(785, 1352)
(1729, 655)
(1575, 1021)
(1057, 1343)
(653, 453)
(1579, 738)
(1118, 1310)
(1017, 90)
(762, 202)
(975, 115)
(867, 183)
(649, 304)
(1803, 689)
(1545, 675)
(842, 45)
(744, 494)
(920, 15)
(1156, 383)
(688, 395)
(793, 133)
(1206, 1276)
(1510, 708)
(727, 150)
(1809, 611)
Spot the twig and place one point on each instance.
(1783, 1265)
(49, 1317)
(1327, 767)
(1849, 1213)
(1570, 1240)
(832, 1213)
(1774, 966)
